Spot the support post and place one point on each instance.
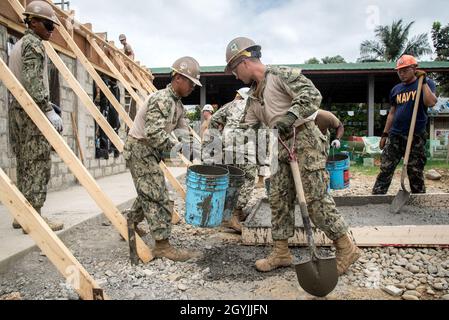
(371, 101)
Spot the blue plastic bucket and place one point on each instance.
(236, 181)
(338, 166)
(206, 195)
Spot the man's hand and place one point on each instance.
(285, 125)
(55, 120)
(336, 144)
(383, 143)
(421, 73)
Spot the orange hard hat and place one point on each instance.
(406, 61)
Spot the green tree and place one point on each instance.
(335, 59)
(392, 42)
(440, 37)
(312, 61)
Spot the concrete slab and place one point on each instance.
(72, 207)
(423, 222)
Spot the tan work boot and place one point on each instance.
(16, 224)
(280, 257)
(234, 223)
(54, 226)
(164, 249)
(347, 253)
(261, 183)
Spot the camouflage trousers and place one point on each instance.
(152, 200)
(392, 155)
(247, 189)
(311, 149)
(33, 153)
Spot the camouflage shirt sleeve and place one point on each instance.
(155, 123)
(33, 56)
(219, 118)
(306, 97)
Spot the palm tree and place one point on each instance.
(393, 42)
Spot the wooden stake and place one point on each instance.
(46, 239)
(67, 155)
(75, 132)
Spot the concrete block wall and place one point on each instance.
(61, 177)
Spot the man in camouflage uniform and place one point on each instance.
(149, 142)
(229, 118)
(283, 98)
(402, 99)
(28, 62)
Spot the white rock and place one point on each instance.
(410, 286)
(433, 175)
(148, 273)
(412, 293)
(438, 286)
(182, 287)
(393, 291)
(445, 297)
(109, 273)
(409, 297)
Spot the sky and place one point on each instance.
(289, 31)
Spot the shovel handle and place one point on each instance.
(411, 132)
(303, 205)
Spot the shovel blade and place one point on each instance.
(400, 201)
(318, 277)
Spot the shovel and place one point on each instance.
(403, 195)
(317, 276)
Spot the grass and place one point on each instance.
(374, 171)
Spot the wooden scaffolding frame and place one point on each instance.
(48, 242)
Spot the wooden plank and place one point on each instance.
(84, 97)
(195, 135)
(378, 236)
(141, 80)
(46, 239)
(124, 68)
(114, 70)
(67, 155)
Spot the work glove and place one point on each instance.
(285, 125)
(55, 120)
(57, 109)
(336, 144)
(421, 73)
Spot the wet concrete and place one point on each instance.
(368, 215)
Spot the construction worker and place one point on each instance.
(395, 135)
(228, 119)
(326, 121)
(149, 142)
(28, 62)
(127, 49)
(283, 98)
(207, 113)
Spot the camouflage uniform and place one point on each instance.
(28, 62)
(148, 140)
(392, 155)
(287, 90)
(230, 117)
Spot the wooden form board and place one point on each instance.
(114, 70)
(58, 254)
(381, 236)
(67, 155)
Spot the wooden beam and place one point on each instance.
(141, 80)
(46, 239)
(173, 181)
(114, 70)
(195, 135)
(77, 137)
(130, 76)
(84, 97)
(67, 155)
(378, 236)
(94, 74)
